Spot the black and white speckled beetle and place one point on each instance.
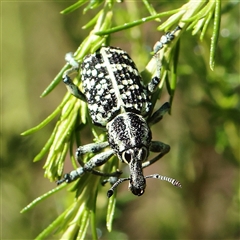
(119, 101)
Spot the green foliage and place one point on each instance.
(197, 16)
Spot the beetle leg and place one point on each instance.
(164, 40)
(89, 148)
(158, 115)
(72, 88)
(157, 147)
(95, 161)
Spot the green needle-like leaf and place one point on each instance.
(214, 39)
(135, 23)
(44, 196)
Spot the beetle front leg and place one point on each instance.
(95, 161)
(157, 147)
(93, 148)
(99, 160)
(89, 148)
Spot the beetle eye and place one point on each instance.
(127, 156)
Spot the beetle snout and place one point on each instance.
(138, 187)
(137, 191)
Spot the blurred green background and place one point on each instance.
(203, 129)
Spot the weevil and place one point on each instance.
(119, 101)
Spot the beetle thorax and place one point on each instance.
(128, 131)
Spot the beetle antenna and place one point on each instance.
(173, 181)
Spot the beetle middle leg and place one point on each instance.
(158, 115)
